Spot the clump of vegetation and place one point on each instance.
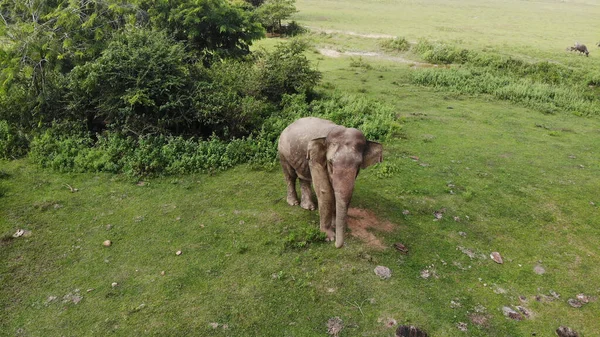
(360, 63)
(548, 87)
(398, 44)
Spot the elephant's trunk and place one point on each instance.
(343, 189)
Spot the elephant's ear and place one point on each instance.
(316, 150)
(373, 154)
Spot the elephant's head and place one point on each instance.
(345, 151)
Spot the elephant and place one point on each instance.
(580, 48)
(331, 156)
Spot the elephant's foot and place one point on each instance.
(308, 204)
(330, 234)
(292, 200)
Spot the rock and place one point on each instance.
(526, 312)
(178, 253)
(383, 272)
(496, 257)
(461, 326)
(510, 313)
(406, 212)
(335, 326)
(214, 325)
(114, 284)
(574, 303)
(401, 248)
(425, 273)
(22, 233)
(409, 331)
(107, 243)
(162, 273)
(564, 331)
(539, 270)
(583, 298)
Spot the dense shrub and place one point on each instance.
(285, 71)
(545, 97)
(13, 143)
(158, 155)
(141, 83)
(396, 44)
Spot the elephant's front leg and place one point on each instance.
(325, 198)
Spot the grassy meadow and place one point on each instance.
(466, 176)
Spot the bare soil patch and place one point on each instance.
(336, 54)
(360, 221)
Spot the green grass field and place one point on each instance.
(504, 178)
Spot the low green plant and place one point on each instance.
(360, 63)
(398, 44)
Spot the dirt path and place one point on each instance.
(347, 32)
(335, 54)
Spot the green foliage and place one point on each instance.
(113, 152)
(398, 44)
(545, 97)
(545, 86)
(360, 63)
(13, 143)
(272, 12)
(212, 29)
(150, 85)
(303, 237)
(440, 53)
(285, 70)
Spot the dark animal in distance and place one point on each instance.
(580, 48)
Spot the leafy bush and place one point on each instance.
(13, 143)
(285, 71)
(396, 44)
(545, 97)
(360, 63)
(76, 151)
(141, 83)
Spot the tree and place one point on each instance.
(272, 12)
(213, 29)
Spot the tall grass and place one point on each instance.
(549, 87)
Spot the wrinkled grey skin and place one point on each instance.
(330, 156)
(580, 48)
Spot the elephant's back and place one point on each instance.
(294, 139)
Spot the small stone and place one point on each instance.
(178, 218)
(50, 299)
(463, 234)
(524, 311)
(461, 326)
(564, 331)
(574, 303)
(457, 218)
(178, 253)
(510, 313)
(90, 290)
(109, 227)
(406, 212)
(401, 248)
(425, 273)
(114, 284)
(334, 326)
(383, 272)
(409, 331)
(162, 273)
(496, 257)
(583, 298)
(455, 304)
(539, 270)
(107, 243)
(214, 325)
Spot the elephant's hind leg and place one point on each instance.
(307, 201)
(290, 178)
